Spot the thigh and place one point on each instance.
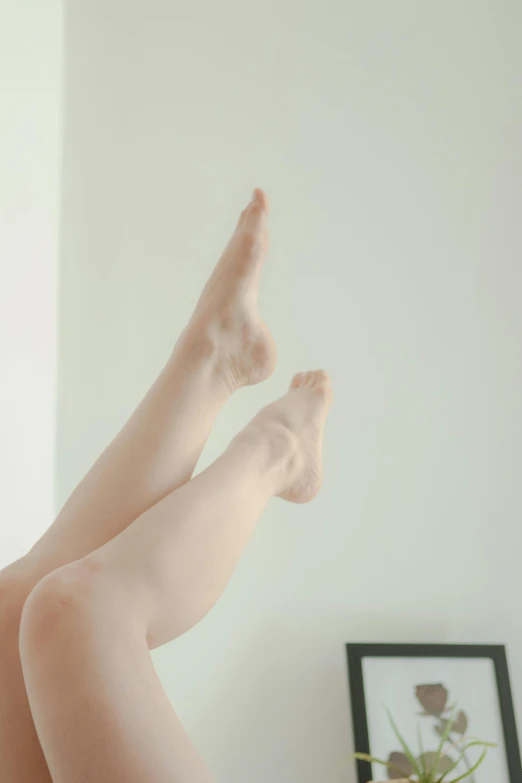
(97, 703)
(21, 756)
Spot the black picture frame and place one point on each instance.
(496, 653)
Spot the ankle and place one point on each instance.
(196, 360)
(196, 347)
(274, 448)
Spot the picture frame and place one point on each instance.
(404, 673)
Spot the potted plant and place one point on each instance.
(441, 764)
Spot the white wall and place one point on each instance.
(388, 136)
(30, 139)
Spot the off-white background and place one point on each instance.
(388, 138)
(30, 146)
(472, 686)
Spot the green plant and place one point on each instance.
(432, 766)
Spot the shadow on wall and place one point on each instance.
(286, 695)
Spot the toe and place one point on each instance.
(253, 218)
(259, 197)
(316, 381)
(297, 381)
(322, 386)
(321, 378)
(250, 239)
(256, 209)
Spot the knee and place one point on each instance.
(61, 602)
(15, 585)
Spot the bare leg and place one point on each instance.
(225, 346)
(86, 629)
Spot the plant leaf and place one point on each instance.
(373, 760)
(399, 762)
(429, 759)
(440, 727)
(421, 748)
(461, 723)
(470, 771)
(407, 751)
(473, 744)
(443, 739)
(433, 698)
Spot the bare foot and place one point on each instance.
(293, 427)
(226, 329)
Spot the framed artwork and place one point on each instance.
(421, 686)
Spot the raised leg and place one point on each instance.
(225, 346)
(87, 628)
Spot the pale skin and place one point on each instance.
(140, 552)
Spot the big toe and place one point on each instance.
(252, 221)
(255, 211)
